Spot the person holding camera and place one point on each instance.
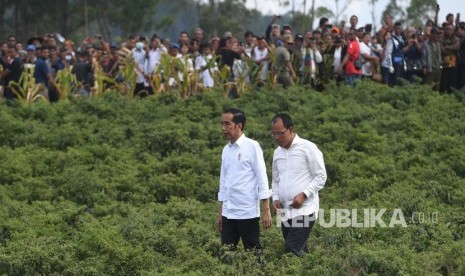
(412, 54)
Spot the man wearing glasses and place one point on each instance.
(298, 174)
(243, 183)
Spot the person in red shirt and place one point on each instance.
(353, 51)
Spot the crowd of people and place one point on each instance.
(394, 55)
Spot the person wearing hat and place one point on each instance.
(282, 67)
(31, 56)
(335, 30)
(35, 40)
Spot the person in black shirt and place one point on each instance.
(13, 69)
(227, 56)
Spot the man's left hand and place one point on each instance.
(266, 220)
(298, 200)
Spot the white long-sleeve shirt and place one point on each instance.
(243, 179)
(140, 59)
(298, 169)
(205, 75)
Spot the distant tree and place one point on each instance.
(419, 11)
(373, 19)
(394, 10)
(341, 7)
(228, 15)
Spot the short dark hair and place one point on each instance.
(323, 21)
(238, 116)
(287, 120)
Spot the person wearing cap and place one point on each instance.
(174, 53)
(12, 73)
(335, 31)
(31, 56)
(282, 67)
(431, 59)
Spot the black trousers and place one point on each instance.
(248, 230)
(296, 232)
(460, 76)
(448, 79)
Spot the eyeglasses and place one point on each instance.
(276, 134)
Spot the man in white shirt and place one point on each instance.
(298, 174)
(243, 184)
(139, 54)
(153, 61)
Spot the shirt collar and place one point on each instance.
(239, 141)
(296, 141)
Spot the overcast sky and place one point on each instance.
(361, 8)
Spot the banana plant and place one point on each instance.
(66, 83)
(103, 82)
(26, 90)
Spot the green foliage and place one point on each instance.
(112, 185)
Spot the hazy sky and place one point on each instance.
(361, 8)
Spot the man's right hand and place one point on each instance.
(276, 205)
